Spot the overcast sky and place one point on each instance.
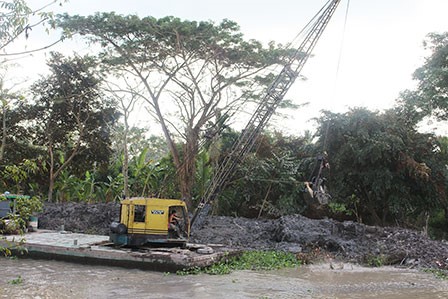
(381, 46)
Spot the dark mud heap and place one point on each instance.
(310, 238)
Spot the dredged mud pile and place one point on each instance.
(79, 217)
(310, 238)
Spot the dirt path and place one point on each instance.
(325, 238)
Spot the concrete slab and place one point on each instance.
(61, 238)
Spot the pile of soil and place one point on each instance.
(346, 241)
(79, 217)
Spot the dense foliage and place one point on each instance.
(192, 75)
(382, 168)
(270, 182)
(64, 140)
(70, 119)
(431, 95)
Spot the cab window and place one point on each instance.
(139, 213)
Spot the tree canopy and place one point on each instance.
(192, 74)
(197, 79)
(431, 96)
(69, 117)
(380, 165)
(18, 19)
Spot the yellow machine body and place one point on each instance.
(146, 220)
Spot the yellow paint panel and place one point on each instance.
(156, 214)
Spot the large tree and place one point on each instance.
(8, 101)
(193, 73)
(15, 140)
(380, 164)
(430, 100)
(431, 96)
(19, 19)
(126, 103)
(69, 118)
(14, 15)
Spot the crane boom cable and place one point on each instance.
(324, 146)
(305, 29)
(343, 38)
(268, 104)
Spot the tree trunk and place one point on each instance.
(370, 205)
(3, 145)
(385, 215)
(446, 214)
(126, 157)
(51, 170)
(265, 200)
(376, 219)
(50, 188)
(188, 167)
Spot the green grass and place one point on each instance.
(249, 260)
(439, 273)
(16, 281)
(376, 260)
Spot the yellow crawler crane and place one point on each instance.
(145, 221)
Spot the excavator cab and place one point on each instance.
(146, 221)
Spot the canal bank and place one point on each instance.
(348, 241)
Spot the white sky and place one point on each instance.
(377, 53)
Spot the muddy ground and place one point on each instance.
(310, 238)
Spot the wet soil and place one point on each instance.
(311, 239)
